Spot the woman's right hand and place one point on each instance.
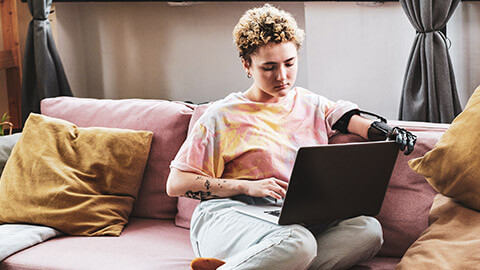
(272, 187)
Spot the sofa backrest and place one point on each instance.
(167, 120)
(409, 197)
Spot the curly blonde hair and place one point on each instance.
(260, 26)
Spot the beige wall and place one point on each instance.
(464, 32)
(356, 51)
(153, 50)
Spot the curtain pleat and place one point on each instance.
(429, 90)
(43, 73)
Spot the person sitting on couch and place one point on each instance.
(242, 149)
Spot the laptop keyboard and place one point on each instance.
(273, 213)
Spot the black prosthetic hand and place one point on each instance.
(379, 130)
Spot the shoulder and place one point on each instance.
(216, 112)
(220, 107)
(310, 96)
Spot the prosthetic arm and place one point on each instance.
(379, 130)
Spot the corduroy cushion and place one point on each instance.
(453, 166)
(81, 181)
(167, 120)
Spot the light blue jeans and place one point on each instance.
(245, 242)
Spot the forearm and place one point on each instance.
(202, 187)
(359, 125)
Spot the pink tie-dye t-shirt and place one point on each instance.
(239, 139)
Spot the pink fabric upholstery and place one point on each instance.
(404, 214)
(144, 244)
(379, 263)
(168, 121)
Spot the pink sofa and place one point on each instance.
(157, 235)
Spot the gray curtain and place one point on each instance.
(429, 91)
(43, 73)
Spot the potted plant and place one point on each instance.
(4, 123)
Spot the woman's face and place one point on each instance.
(274, 70)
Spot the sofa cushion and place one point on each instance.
(167, 120)
(453, 166)
(378, 262)
(404, 213)
(144, 244)
(450, 242)
(6, 145)
(81, 181)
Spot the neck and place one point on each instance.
(256, 95)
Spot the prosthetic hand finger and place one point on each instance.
(412, 139)
(402, 134)
(407, 140)
(400, 141)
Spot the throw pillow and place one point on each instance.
(81, 181)
(6, 145)
(452, 167)
(450, 242)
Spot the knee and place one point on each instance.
(371, 234)
(304, 242)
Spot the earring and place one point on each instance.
(249, 75)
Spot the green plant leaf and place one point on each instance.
(5, 118)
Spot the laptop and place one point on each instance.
(333, 182)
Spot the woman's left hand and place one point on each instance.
(272, 187)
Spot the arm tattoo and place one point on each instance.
(207, 184)
(200, 195)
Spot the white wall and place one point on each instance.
(353, 51)
(464, 32)
(358, 52)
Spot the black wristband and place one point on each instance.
(342, 123)
(379, 131)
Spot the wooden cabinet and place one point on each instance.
(10, 59)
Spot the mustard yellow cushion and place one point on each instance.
(452, 167)
(450, 242)
(81, 181)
